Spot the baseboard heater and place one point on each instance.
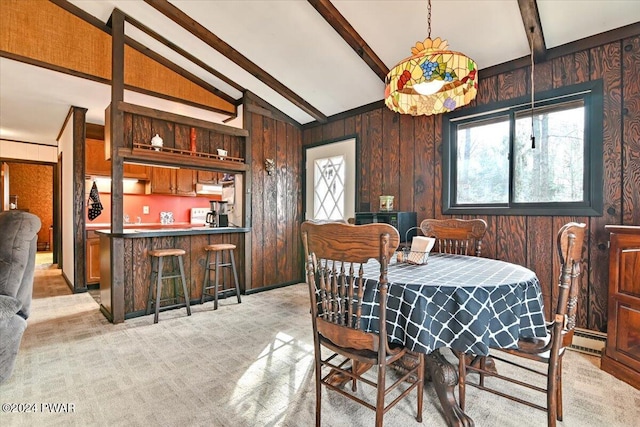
(587, 341)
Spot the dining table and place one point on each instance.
(464, 303)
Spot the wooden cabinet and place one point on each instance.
(207, 177)
(95, 163)
(135, 171)
(622, 352)
(92, 258)
(179, 182)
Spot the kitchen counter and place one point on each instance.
(170, 230)
(128, 299)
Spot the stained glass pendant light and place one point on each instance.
(433, 80)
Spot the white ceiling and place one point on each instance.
(293, 43)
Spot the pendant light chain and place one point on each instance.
(429, 19)
(533, 135)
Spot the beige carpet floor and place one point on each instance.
(242, 365)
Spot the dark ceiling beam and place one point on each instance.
(329, 12)
(139, 25)
(198, 30)
(533, 28)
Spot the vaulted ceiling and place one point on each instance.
(309, 59)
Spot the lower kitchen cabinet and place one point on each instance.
(92, 258)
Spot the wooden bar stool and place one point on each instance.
(157, 262)
(219, 250)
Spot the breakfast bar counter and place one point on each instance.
(131, 301)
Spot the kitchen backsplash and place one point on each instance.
(134, 205)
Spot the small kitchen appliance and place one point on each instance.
(223, 217)
(212, 215)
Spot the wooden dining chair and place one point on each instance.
(455, 236)
(549, 351)
(335, 255)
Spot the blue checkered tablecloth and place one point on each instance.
(465, 303)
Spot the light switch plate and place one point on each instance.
(145, 210)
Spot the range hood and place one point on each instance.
(209, 189)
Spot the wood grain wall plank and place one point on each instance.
(406, 164)
(423, 181)
(606, 65)
(141, 129)
(540, 251)
(390, 154)
(281, 201)
(375, 161)
(257, 201)
(631, 131)
(269, 220)
(365, 162)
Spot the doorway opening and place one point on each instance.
(29, 186)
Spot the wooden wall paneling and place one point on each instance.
(631, 131)
(291, 205)
(511, 233)
(423, 185)
(581, 69)
(390, 154)
(202, 139)
(183, 242)
(269, 193)
(563, 71)
(129, 289)
(298, 190)
(376, 156)
(357, 130)
(487, 90)
(543, 77)
(292, 175)
(489, 243)
(606, 65)
(142, 132)
(228, 144)
(406, 165)
(281, 196)
(540, 251)
(128, 130)
(333, 130)
(365, 162)
(141, 268)
(198, 260)
(182, 137)
(437, 167)
(166, 131)
(316, 134)
(513, 84)
(257, 200)
(350, 125)
(216, 140)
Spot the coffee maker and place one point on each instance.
(212, 215)
(218, 216)
(223, 217)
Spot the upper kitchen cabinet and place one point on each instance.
(97, 165)
(180, 182)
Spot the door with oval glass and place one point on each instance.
(330, 180)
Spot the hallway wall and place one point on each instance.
(33, 184)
